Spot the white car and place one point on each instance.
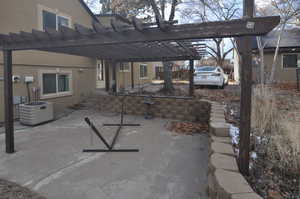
(210, 75)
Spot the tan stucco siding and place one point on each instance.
(19, 15)
(24, 15)
(80, 86)
(124, 78)
(282, 75)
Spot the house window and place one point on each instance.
(160, 69)
(291, 60)
(55, 84)
(124, 67)
(62, 21)
(143, 71)
(52, 19)
(49, 20)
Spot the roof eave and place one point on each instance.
(88, 10)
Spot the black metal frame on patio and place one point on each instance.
(138, 41)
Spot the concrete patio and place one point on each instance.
(50, 161)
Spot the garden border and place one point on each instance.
(224, 179)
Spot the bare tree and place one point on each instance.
(261, 47)
(214, 10)
(288, 10)
(217, 51)
(149, 9)
(103, 5)
(160, 19)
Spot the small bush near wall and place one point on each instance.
(188, 109)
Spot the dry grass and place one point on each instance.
(265, 115)
(279, 136)
(287, 145)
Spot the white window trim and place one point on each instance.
(146, 77)
(57, 94)
(288, 68)
(99, 62)
(124, 71)
(41, 8)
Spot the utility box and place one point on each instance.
(29, 79)
(35, 113)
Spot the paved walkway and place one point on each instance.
(49, 160)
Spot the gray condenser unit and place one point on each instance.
(36, 113)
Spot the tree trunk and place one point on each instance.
(262, 60)
(168, 84)
(271, 79)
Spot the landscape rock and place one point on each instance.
(246, 196)
(220, 161)
(230, 183)
(222, 148)
(220, 129)
(225, 140)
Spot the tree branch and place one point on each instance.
(172, 14)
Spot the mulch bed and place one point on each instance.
(271, 182)
(10, 190)
(187, 128)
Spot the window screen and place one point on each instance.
(291, 61)
(124, 66)
(62, 21)
(143, 71)
(63, 83)
(49, 20)
(49, 83)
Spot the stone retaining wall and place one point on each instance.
(181, 108)
(224, 179)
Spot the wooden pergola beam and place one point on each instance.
(157, 59)
(233, 28)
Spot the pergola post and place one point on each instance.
(246, 89)
(114, 76)
(107, 86)
(8, 102)
(191, 78)
(132, 75)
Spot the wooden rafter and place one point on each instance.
(232, 28)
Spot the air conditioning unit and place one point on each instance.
(36, 113)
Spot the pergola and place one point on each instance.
(163, 41)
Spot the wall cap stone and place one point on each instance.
(246, 196)
(224, 179)
(222, 148)
(220, 161)
(220, 129)
(231, 182)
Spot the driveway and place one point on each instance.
(49, 160)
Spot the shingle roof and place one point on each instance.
(289, 39)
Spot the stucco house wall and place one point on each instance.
(124, 79)
(19, 15)
(282, 75)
